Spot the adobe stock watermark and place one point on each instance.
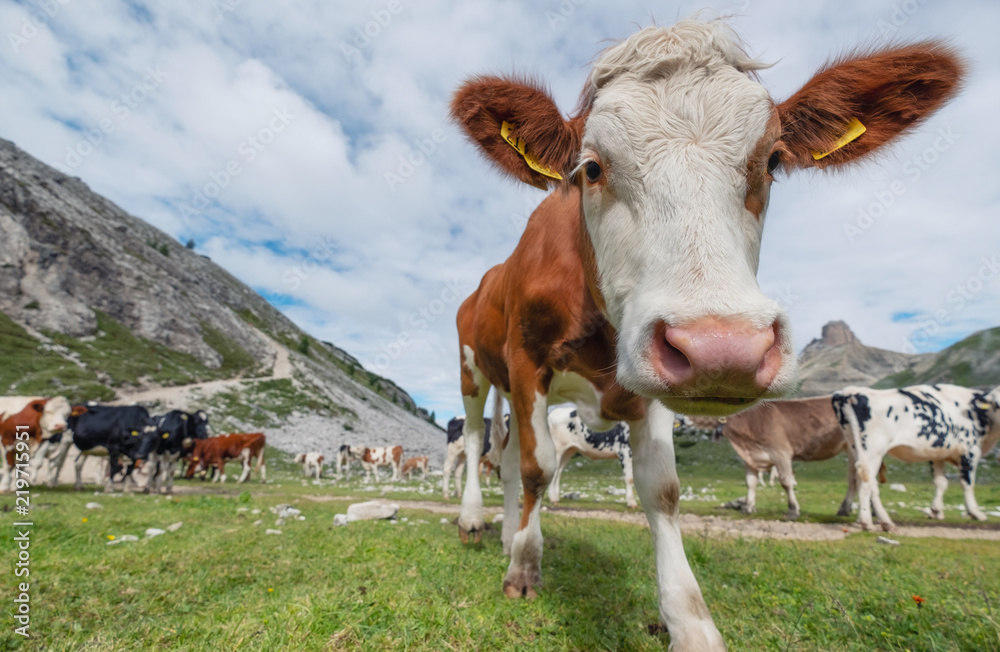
(901, 14)
(224, 7)
(296, 275)
(958, 297)
(33, 23)
(248, 150)
(418, 322)
(120, 109)
(22, 505)
(913, 169)
(409, 162)
(364, 34)
(562, 13)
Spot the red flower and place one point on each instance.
(918, 600)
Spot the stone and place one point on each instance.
(154, 532)
(176, 526)
(339, 519)
(886, 541)
(270, 531)
(372, 510)
(94, 506)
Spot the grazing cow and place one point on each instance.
(633, 292)
(774, 434)
(177, 431)
(312, 463)
(414, 463)
(115, 432)
(454, 456)
(216, 451)
(373, 457)
(571, 436)
(935, 423)
(36, 424)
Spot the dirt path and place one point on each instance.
(176, 397)
(692, 524)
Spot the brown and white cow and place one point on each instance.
(33, 420)
(312, 463)
(373, 457)
(414, 463)
(216, 451)
(633, 290)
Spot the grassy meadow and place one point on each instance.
(221, 583)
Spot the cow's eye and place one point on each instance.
(773, 162)
(593, 171)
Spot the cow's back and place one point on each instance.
(805, 429)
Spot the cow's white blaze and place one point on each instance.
(675, 122)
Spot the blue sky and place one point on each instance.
(266, 131)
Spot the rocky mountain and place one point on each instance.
(97, 304)
(837, 359)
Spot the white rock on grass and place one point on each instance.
(372, 510)
(443, 521)
(240, 510)
(255, 511)
(154, 532)
(497, 518)
(270, 531)
(94, 506)
(339, 519)
(257, 522)
(896, 486)
(279, 522)
(571, 495)
(176, 526)
(886, 541)
(288, 512)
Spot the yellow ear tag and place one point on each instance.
(166, 434)
(983, 405)
(522, 149)
(135, 433)
(184, 417)
(854, 129)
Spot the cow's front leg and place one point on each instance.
(245, 459)
(750, 503)
(510, 458)
(625, 457)
(538, 465)
(940, 485)
(787, 477)
(967, 474)
(682, 607)
(470, 519)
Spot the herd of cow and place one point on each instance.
(38, 431)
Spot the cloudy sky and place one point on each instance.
(270, 133)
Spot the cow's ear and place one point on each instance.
(519, 127)
(78, 410)
(858, 103)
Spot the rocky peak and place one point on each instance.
(835, 333)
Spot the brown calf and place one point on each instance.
(216, 451)
(414, 463)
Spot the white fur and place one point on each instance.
(571, 440)
(674, 121)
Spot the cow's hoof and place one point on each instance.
(792, 516)
(522, 585)
(845, 510)
(477, 534)
(888, 527)
(937, 514)
(748, 509)
(865, 527)
(145, 490)
(633, 506)
(979, 516)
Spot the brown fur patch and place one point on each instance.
(669, 498)
(889, 90)
(696, 605)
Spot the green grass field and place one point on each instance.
(221, 583)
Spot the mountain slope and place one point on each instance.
(972, 362)
(97, 304)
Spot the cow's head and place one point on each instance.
(673, 152)
(300, 458)
(144, 440)
(990, 405)
(55, 416)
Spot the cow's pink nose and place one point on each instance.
(716, 358)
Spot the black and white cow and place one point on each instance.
(935, 423)
(176, 433)
(454, 457)
(571, 436)
(342, 463)
(125, 431)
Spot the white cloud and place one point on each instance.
(321, 179)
